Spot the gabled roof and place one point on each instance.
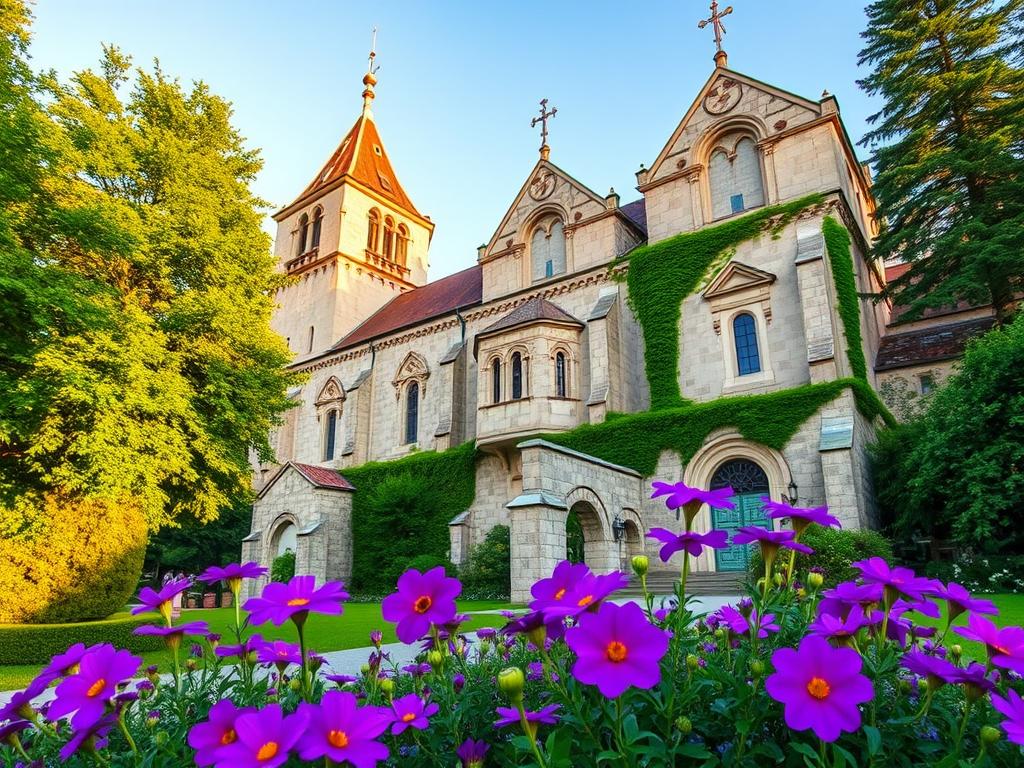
(321, 477)
(928, 345)
(535, 310)
(736, 276)
(637, 213)
(463, 289)
(361, 156)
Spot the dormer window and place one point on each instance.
(547, 249)
(300, 246)
(734, 175)
(318, 220)
(373, 230)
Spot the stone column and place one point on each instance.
(537, 533)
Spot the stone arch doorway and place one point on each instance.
(584, 534)
(633, 543)
(749, 483)
(284, 538)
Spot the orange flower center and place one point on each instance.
(997, 650)
(228, 737)
(585, 600)
(338, 738)
(95, 688)
(560, 594)
(819, 688)
(615, 651)
(293, 602)
(408, 717)
(422, 604)
(267, 752)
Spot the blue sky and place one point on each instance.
(460, 82)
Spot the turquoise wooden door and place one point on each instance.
(749, 511)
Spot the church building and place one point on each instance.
(539, 336)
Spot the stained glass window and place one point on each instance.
(412, 412)
(517, 376)
(560, 388)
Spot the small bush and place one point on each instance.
(36, 643)
(283, 567)
(488, 574)
(75, 559)
(834, 551)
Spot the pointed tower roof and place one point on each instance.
(360, 157)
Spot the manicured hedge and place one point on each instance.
(36, 643)
(837, 243)
(662, 274)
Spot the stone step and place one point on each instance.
(662, 582)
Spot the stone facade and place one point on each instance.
(437, 366)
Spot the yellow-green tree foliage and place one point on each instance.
(64, 559)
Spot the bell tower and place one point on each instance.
(351, 241)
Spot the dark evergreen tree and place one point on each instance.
(949, 148)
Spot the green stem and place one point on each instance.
(530, 734)
(963, 725)
(682, 583)
(305, 662)
(128, 736)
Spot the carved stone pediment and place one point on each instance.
(739, 285)
(331, 392)
(413, 368)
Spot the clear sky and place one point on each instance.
(459, 82)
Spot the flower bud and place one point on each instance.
(989, 735)
(692, 661)
(161, 738)
(458, 682)
(365, 669)
(905, 685)
(153, 719)
(376, 637)
(511, 682)
(683, 725)
(815, 580)
(640, 565)
(778, 579)
(387, 685)
(955, 651)
(295, 684)
(191, 665)
(757, 667)
(435, 659)
(720, 633)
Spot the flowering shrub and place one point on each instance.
(793, 674)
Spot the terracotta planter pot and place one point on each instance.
(209, 600)
(226, 600)
(191, 602)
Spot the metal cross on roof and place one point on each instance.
(716, 20)
(543, 120)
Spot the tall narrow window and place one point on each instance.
(402, 246)
(748, 360)
(547, 249)
(734, 176)
(318, 220)
(300, 246)
(311, 332)
(560, 388)
(412, 412)
(389, 238)
(330, 435)
(517, 376)
(496, 381)
(373, 231)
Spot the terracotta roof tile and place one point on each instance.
(323, 477)
(896, 271)
(531, 311)
(928, 345)
(463, 289)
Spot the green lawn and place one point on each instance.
(1011, 612)
(323, 633)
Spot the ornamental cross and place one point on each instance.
(543, 120)
(716, 20)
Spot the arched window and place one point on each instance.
(734, 176)
(517, 376)
(561, 390)
(402, 246)
(300, 247)
(318, 220)
(373, 231)
(312, 331)
(547, 249)
(744, 333)
(496, 381)
(330, 434)
(389, 238)
(412, 412)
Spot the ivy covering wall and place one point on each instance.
(662, 274)
(837, 244)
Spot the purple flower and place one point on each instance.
(264, 738)
(770, 541)
(10, 731)
(161, 601)
(209, 738)
(802, 517)
(938, 671)
(410, 711)
(472, 753)
(974, 677)
(896, 582)
(530, 624)
(617, 648)
(232, 574)
(342, 732)
(242, 650)
(839, 600)
(587, 593)
(486, 633)
(691, 542)
(682, 495)
(836, 628)
(959, 600)
(510, 716)
(1013, 708)
(458, 682)
(87, 693)
(63, 663)
(819, 687)
(92, 736)
(417, 670)
(279, 652)
(422, 599)
(562, 581)
(740, 625)
(172, 635)
(342, 679)
(20, 704)
(376, 637)
(1005, 646)
(295, 600)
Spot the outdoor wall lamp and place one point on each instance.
(618, 528)
(793, 490)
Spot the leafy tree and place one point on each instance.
(488, 573)
(192, 546)
(958, 470)
(949, 142)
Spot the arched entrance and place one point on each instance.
(749, 483)
(285, 539)
(634, 543)
(584, 535)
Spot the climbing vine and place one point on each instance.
(837, 244)
(662, 274)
